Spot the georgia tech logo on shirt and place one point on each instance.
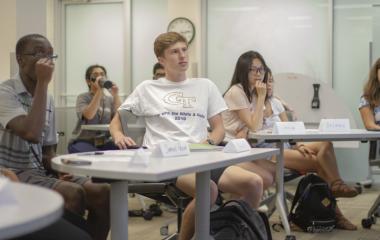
(176, 98)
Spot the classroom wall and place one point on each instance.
(8, 35)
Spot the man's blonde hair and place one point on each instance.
(165, 40)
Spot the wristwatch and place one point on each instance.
(210, 141)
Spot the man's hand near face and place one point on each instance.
(44, 70)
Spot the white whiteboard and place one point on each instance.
(149, 19)
(94, 35)
(292, 36)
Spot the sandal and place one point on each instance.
(343, 223)
(341, 189)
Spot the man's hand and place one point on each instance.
(123, 141)
(9, 174)
(65, 176)
(44, 70)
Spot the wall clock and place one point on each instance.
(183, 26)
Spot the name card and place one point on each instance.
(141, 158)
(172, 149)
(289, 128)
(335, 125)
(237, 145)
(6, 196)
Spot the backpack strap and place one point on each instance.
(298, 196)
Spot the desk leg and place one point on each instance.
(119, 210)
(280, 188)
(202, 206)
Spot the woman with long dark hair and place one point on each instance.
(252, 107)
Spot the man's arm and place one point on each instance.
(217, 132)
(30, 126)
(48, 152)
(116, 130)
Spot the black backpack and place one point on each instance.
(313, 206)
(236, 220)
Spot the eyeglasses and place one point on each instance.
(40, 55)
(256, 70)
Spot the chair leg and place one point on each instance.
(180, 210)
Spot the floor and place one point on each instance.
(355, 209)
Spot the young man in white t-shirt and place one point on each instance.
(176, 108)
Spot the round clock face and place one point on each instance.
(184, 27)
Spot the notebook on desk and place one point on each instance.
(199, 147)
(374, 130)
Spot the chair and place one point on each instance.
(166, 193)
(374, 164)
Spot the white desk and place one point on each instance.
(311, 135)
(112, 165)
(105, 127)
(37, 208)
(96, 127)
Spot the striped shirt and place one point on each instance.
(15, 152)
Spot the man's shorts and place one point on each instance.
(41, 178)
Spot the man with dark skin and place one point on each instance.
(59, 230)
(28, 135)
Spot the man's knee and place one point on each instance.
(189, 188)
(213, 192)
(268, 179)
(253, 183)
(98, 195)
(74, 196)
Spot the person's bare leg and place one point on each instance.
(295, 160)
(98, 205)
(342, 222)
(326, 160)
(324, 163)
(266, 169)
(187, 184)
(242, 184)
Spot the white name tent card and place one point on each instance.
(335, 125)
(7, 198)
(237, 145)
(289, 128)
(172, 149)
(141, 157)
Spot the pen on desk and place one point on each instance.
(90, 153)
